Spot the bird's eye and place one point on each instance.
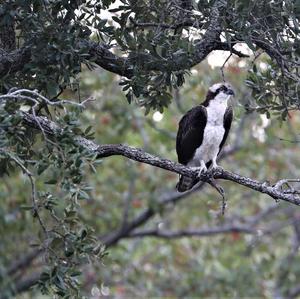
(222, 88)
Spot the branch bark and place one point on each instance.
(102, 55)
(124, 66)
(136, 154)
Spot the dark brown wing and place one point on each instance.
(190, 133)
(227, 124)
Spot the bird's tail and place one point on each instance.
(186, 183)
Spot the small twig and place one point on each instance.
(222, 67)
(33, 188)
(35, 97)
(290, 141)
(220, 190)
(229, 47)
(282, 182)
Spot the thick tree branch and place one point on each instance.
(15, 61)
(123, 66)
(178, 61)
(139, 155)
(103, 56)
(181, 60)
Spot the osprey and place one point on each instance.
(203, 131)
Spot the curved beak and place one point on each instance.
(230, 92)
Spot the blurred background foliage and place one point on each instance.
(225, 265)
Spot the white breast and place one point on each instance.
(213, 133)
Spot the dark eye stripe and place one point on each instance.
(223, 87)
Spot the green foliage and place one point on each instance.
(59, 166)
(275, 24)
(273, 91)
(54, 32)
(152, 92)
(56, 56)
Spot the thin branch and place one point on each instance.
(223, 66)
(265, 213)
(186, 23)
(35, 97)
(203, 232)
(220, 190)
(281, 183)
(210, 231)
(219, 173)
(35, 208)
(228, 47)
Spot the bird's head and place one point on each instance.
(220, 91)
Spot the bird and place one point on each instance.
(202, 133)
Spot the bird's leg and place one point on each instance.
(214, 163)
(201, 168)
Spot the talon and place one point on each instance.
(202, 168)
(214, 164)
